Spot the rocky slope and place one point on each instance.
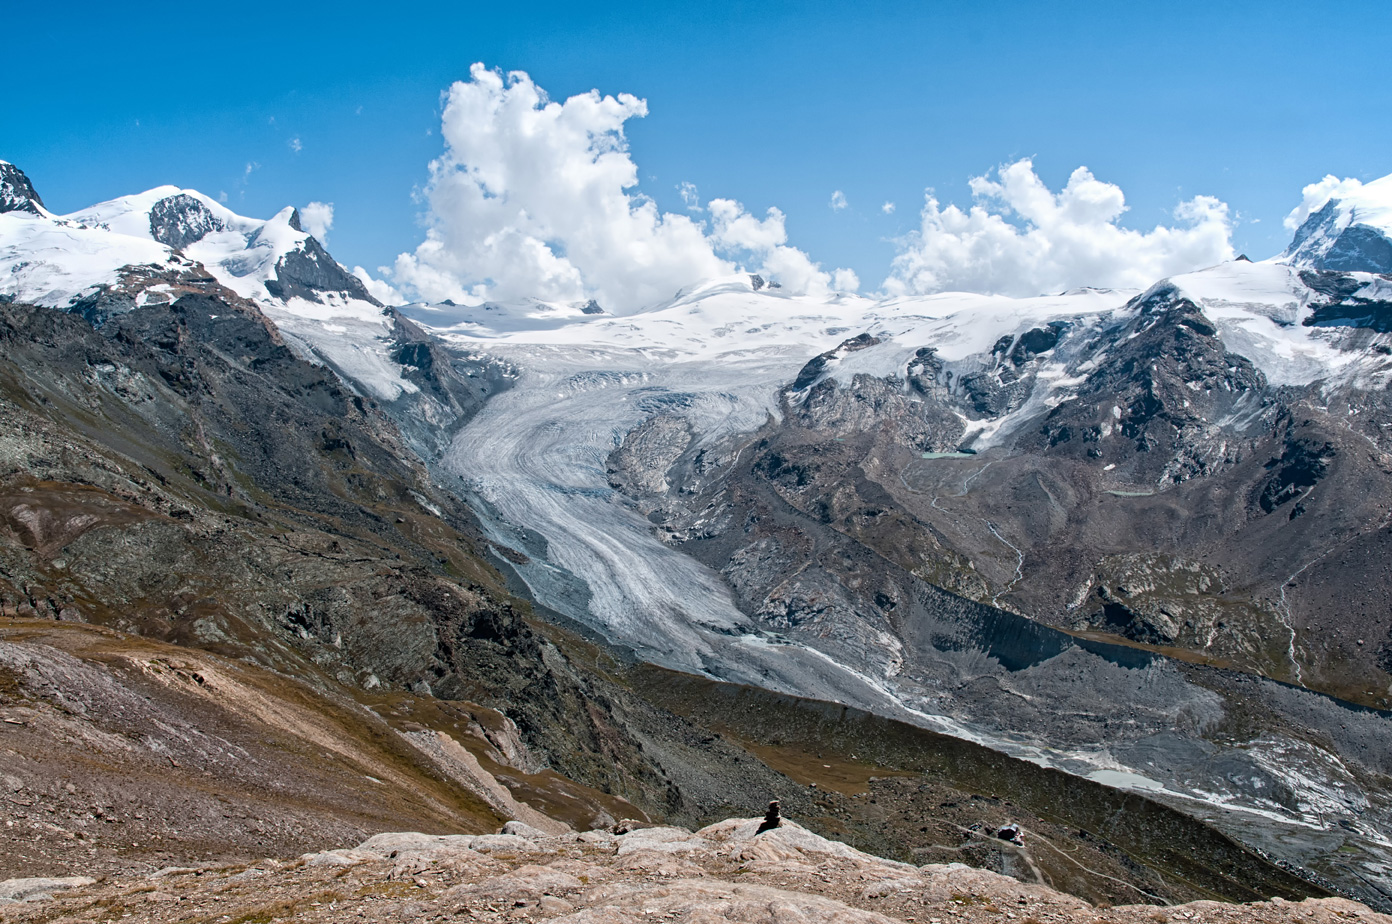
(121, 752)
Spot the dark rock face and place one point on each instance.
(16, 192)
(1359, 249)
(1155, 404)
(1343, 305)
(1122, 620)
(993, 392)
(1035, 341)
(818, 364)
(310, 271)
(1003, 385)
(1299, 469)
(181, 220)
(134, 285)
(591, 307)
(927, 375)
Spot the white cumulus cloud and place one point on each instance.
(838, 201)
(764, 243)
(691, 196)
(380, 289)
(317, 219)
(1020, 238)
(295, 145)
(887, 208)
(538, 198)
(1314, 196)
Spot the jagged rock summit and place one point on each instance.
(17, 193)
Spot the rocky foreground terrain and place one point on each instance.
(726, 872)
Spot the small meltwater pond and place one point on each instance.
(949, 455)
(1132, 493)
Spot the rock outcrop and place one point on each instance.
(16, 192)
(726, 872)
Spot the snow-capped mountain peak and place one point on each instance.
(264, 261)
(1352, 232)
(153, 247)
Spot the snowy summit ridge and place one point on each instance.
(165, 233)
(1351, 232)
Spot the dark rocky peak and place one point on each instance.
(818, 364)
(1317, 224)
(591, 307)
(1303, 464)
(1170, 330)
(1358, 248)
(16, 192)
(309, 271)
(153, 286)
(1164, 386)
(1166, 306)
(756, 281)
(1035, 341)
(295, 220)
(1158, 299)
(180, 220)
(928, 375)
(1007, 382)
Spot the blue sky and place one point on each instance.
(771, 104)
